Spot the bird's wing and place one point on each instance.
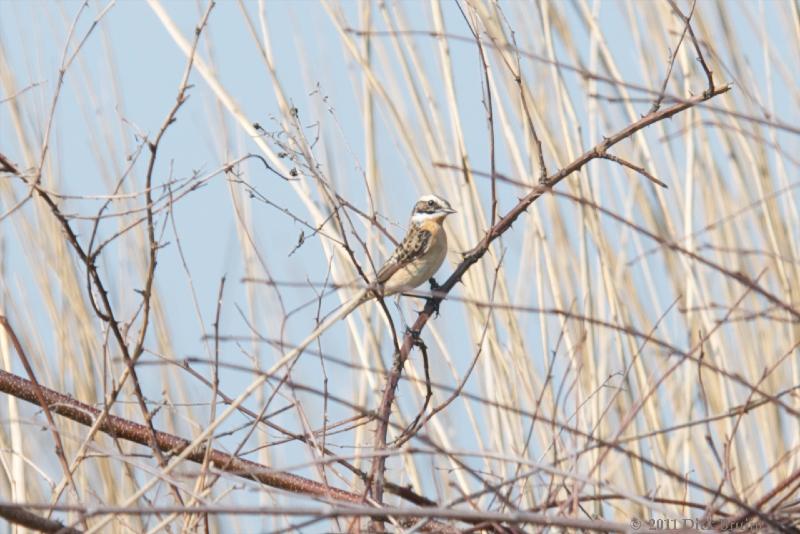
(416, 243)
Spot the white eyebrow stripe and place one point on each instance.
(426, 198)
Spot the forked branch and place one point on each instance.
(476, 253)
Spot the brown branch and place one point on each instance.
(503, 225)
(636, 168)
(130, 360)
(456, 392)
(16, 514)
(119, 427)
(595, 442)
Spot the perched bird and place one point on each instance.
(414, 262)
(419, 255)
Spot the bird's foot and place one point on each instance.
(434, 302)
(435, 299)
(415, 337)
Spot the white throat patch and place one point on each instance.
(422, 217)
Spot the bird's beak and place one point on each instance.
(449, 210)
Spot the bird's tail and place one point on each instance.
(359, 298)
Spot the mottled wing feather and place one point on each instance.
(414, 245)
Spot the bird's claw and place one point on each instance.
(434, 302)
(415, 337)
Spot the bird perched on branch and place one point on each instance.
(419, 255)
(414, 262)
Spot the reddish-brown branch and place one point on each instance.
(120, 428)
(17, 515)
(128, 430)
(593, 441)
(503, 225)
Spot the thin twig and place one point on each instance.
(687, 19)
(673, 55)
(640, 170)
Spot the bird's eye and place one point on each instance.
(430, 203)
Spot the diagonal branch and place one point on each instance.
(498, 229)
(636, 168)
(119, 427)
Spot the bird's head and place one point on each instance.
(430, 208)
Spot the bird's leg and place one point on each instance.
(415, 336)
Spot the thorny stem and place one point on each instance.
(476, 253)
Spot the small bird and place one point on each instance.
(415, 261)
(421, 252)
